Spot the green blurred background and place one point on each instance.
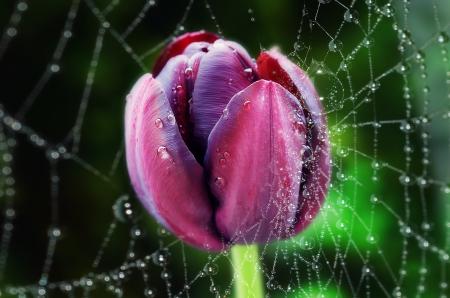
(361, 245)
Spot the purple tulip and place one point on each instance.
(222, 149)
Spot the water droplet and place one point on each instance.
(371, 239)
(136, 233)
(343, 152)
(335, 45)
(54, 68)
(292, 207)
(122, 209)
(165, 275)
(219, 182)
(351, 15)
(367, 41)
(446, 189)
(22, 6)
(442, 37)
(222, 161)
(54, 232)
(373, 86)
(150, 293)
(171, 119)
(341, 176)
(387, 11)
(249, 73)
(374, 199)
(247, 105)
(324, 1)
(341, 225)
(376, 165)
(405, 179)
(161, 257)
(426, 226)
(162, 152)
(67, 34)
(402, 68)
(188, 72)
(405, 231)
(397, 292)
(211, 269)
(443, 256)
(424, 244)
(306, 243)
(159, 123)
(225, 113)
(406, 126)
(422, 182)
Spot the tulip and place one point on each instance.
(222, 149)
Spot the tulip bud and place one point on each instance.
(223, 150)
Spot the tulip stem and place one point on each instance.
(247, 271)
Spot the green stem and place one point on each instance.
(247, 271)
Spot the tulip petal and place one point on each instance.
(131, 111)
(276, 67)
(196, 47)
(221, 75)
(171, 181)
(254, 159)
(173, 80)
(178, 45)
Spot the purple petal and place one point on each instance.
(168, 179)
(173, 80)
(196, 47)
(276, 67)
(254, 159)
(222, 73)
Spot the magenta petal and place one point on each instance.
(274, 66)
(168, 179)
(134, 99)
(220, 76)
(254, 159)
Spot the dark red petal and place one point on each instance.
(276, 67)
(177, 46)
(254, 162)
(167, 178)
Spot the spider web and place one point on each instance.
(382, 70)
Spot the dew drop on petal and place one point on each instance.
(171, 119)
(247, 105)
(219, 182)
(162, 152)
(188, 73)
(159, 123)
(225, 113)
(292, 207)
(249, 73)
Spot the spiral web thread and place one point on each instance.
(330, 258)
